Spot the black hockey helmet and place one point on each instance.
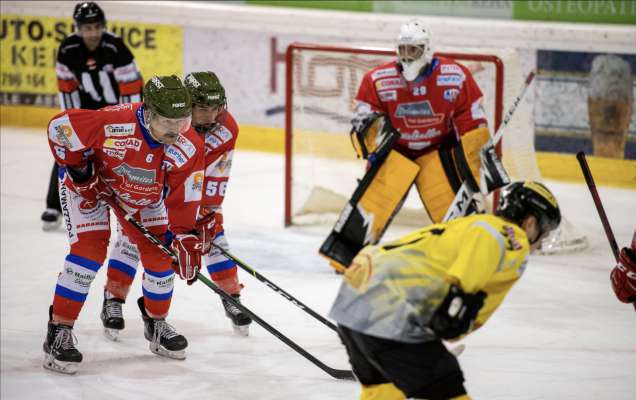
(520, 199)
(88, 12)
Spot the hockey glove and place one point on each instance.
(208, 227)
(492, 174)
(187, 247)
(85, 181)
(623, 276)
(372, 135)
(455, 316)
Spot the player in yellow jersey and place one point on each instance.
(399, 300)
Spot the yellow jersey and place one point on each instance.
(392, 290)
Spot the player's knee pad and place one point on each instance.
(368, 213)
(157, 287)
(385, 391)
(73, 284)
(92, 246)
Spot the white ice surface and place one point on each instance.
(560, 334)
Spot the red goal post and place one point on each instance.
(293, 48)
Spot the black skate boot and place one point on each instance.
(112, 317)
(164, 340)
(51, 219)
(240, 321)
(59, 347)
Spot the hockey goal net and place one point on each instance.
(321, 170)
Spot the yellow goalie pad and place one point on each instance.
(384, 391)
(370, 210)
(443, 171)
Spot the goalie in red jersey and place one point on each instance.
(148, 159)
(219, 131)
(418, 120)
(623, 275)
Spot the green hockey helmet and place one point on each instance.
(205, 89)
(167, 97)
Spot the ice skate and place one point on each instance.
(111, 316)
(59, 348)
(51, 219)
(164, 340)
(240, 321)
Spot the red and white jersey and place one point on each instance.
(219, 151)
(134, 165)
(443, 100)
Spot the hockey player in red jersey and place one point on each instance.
(623, 275)
(146, 157)
(418, 120)
(94, 69)
(219, 130)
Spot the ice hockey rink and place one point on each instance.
(561, 333)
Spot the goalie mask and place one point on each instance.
(413, 49)
(208, 97)
(521, 199)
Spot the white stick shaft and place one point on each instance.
(497, 136)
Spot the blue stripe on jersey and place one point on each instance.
(70, 294)
(219, 235)
(221, 266)
(83, 262)
(157, 296)
(160, 274)
(123, 267)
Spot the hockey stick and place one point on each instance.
(277, 289)
(464, 195)
(336, 373)
(587, 174)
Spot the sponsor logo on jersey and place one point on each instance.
(449, 80)
(221, 167)
(450, 95)
(390, 83)
(63, 134)
(178, 157)
(418, 114)
(120, 144)
(451, 69)
(418, 145)
(383, 73)
(119, 129)
(417, 135)
(194, 187)
(118, 107)
(509, 234)
(390, 95)
(139, 176)
(224, 134)
(212, 142)
(115, 153)
(185, 145)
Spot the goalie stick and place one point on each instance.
(464, 195)
(277, 289)
(336, 373)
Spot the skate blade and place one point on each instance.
(241, 330)
(63, 367)
(112, 334)
(163, 352)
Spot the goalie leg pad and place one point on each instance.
(467, 156)
(437, 182)
(367, 215)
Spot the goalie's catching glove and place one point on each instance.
(455, 316)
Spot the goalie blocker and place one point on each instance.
(437, 174)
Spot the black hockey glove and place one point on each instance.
(492, 172)
(456, 314)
